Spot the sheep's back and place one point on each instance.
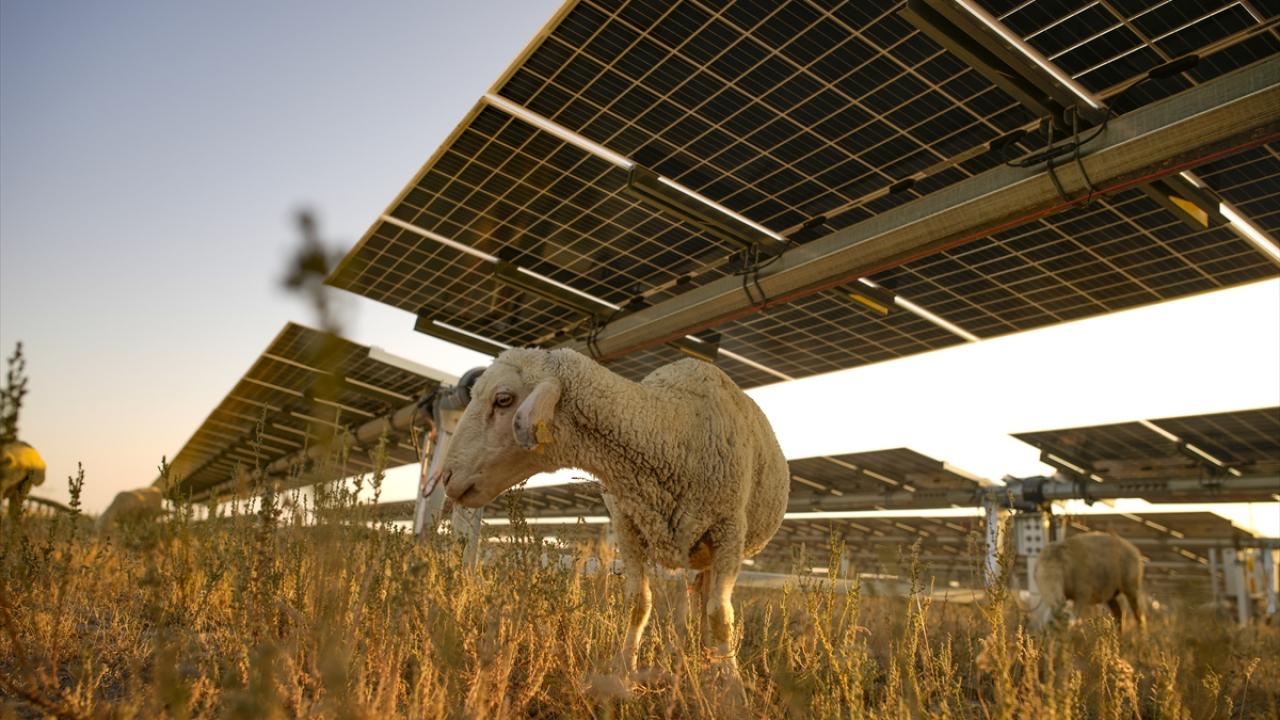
(1095, 566)
(743, 433)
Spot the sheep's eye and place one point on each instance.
(503, 399)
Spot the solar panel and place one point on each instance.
(863, 473)
(1105, 43)
(1242, 443)
(303, 385)
(577, 499)
(1122, 251)
(954, 546)
(780, 111)
(790, 113)
(868, 473)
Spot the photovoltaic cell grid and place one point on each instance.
(1247, 441)
(1166, 527)
(956, 544)
(853, 473)
(278, 390)
(1124, 250)
(875, 471)
(577, 499)
(516, 192)
(1251, 182)
(638, 364)
(826, 332)
(1249, 436)
(1057, 270)
(783, 112)
(403, 269)
(780, 111)
(1104, 43)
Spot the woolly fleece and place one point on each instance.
(685, 457)
(1089, 569)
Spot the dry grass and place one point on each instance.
(257, 616)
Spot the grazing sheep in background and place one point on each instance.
(1088, 569)
(692, 473)
(21, 468)
(132, 506)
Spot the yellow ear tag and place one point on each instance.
(542, 434)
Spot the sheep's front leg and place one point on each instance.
(640, 598)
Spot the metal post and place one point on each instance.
(1237, 582)
(426, 517)
(992, 529)
(1213, 580)
(1269, 578)
(447, 407)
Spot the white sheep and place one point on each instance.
(131, 507)
(21, 468)
(692, 473)
(1088, 569)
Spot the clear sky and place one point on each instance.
(152, 156)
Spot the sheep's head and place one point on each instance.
(499, 439)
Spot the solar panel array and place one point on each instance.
(1241, 443)
(303, 387)
(879, 471)
(865, 473)
(785, 112)
(953, 547)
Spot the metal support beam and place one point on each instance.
(1026, 493)
(1192, 489)
(1224, 116)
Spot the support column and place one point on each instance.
(1237, 583)
(446, 412)
(1269, 578)
(430, 501)
(992, 538)
(1213, 580)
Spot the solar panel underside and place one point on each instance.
(784, 112)
(296, 389)
(955, 545)
(873, 472)
(1246, 441)
(865, 473)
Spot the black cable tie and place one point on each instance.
(593, 333)
(1075, 130)
(1053, 174)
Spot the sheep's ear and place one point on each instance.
(532, 421)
